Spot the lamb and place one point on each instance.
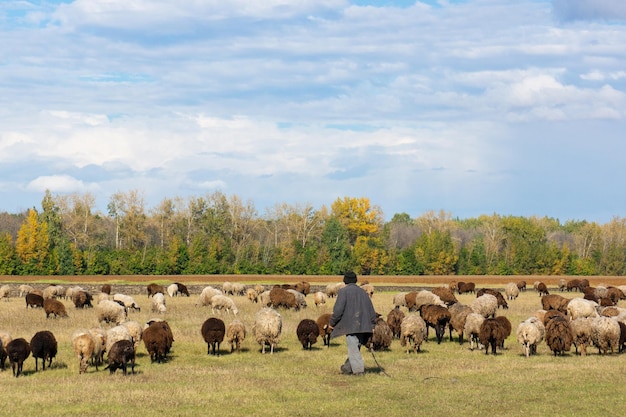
(158, 339)
(458, 314)
(235, 335)
(84, 346)
(486, 305)
(412, 332)
(501, 301)
(542, 289)
(120, 355)
(559, 335)
(319, 298)
(24, 289)
(43, 345)
(381, 336)
(416, 299)
(267, 328)
(555, 302)
(136, 332)
(511, 291)
(394, 320)
(323, 324)
(399, 300)
(492, 333)
(54, 308)
(158, 303)
(34, 300)
(82, 299)
(300, 298)
(446, 295)
(581, 334)
(153, 289)
(5, 339)
(110, 312)
(5, 292)
(579, 307)
(18, 350)
(221, 302)
(213, 331)
(127, 301)
(605, 334)
(529, 334)
(466, 287)
(436, 317)
(307, 332)
(283, 298)
(473, 322)
(206, 295)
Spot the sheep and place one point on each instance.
(453, 286)
(106, 288)
(169, 340)
(213, 331)
(473, 321)
(615, 294)
(110, 312)
(333, 288)
(303, 287)
(319, 298)
(283, 298)
(412, 332)
(605, 334)
(264, 298)
(18, 350)
(622, 336)
(82, 299)
(323, 324)
(399, 300)
(84, 346)
(235, 334)
(416, 299)
(182, 289)
(555, 302)
(491, 333)
(120, 355)
(135, 330)
(5, 292)
(458, 314)
(153, 289)
(172, 290)
(529, 334)
(542, 289)
(501, 301)
(558, 335)
(259, 288)
(227, 288)
(206, 295)
(34, 300)
(5, 339)
(115, 334)
(466, 287)
(24, 289)
(572, 284)
(43, 345)
(394, 320)
(221, 302)
(127, 301)
(102, 296)
(267, 328)
(445, 295)
(100, 337)
(381, 336)
(252, 295)
(307, 333)
(53, 291)
(158, 303)
(239, 288)
(176, 289)
(511, 291)
(54, 307)
(158, 339)
(486, 305)
(369, 289)
(581, 334)
(521, 285)
(579, 307)
(550, 314)
(69, 292)
(505, 323)
(437, 317)
(562, 285)
(300, 298)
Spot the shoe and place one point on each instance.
(359, 374)
(346, 369)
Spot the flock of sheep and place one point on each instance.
(593, 319)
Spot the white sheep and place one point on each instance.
(333, 288)
(581, 334)
(53, 291)
(115, 334)
(84, 346)
(227, 288)
(172, 290)
(416, 299)
(101, 296)
(399, 300)
(136, 330)
(221, 302)
(5, 292)
(319, 298)
(412, 332)
(158, 303)
(128, 301)
(267, 328)
(206, 295)
(264, 298)
(369, 289)
(24, 289)
(485, 305)
(473, 321)
(605, 334)
(239, 288)
(252, 295)
(110, 312)
(100, 336)
(511, 291)
(69, 292)
(530, 333)
(580, 307)
(300, 298)
(235, 334)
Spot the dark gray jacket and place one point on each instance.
(353, 312)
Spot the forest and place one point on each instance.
(223, 234)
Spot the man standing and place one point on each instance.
(355, 317)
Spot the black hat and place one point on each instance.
(349, 277)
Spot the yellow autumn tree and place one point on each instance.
(358, 216)
(33, 243)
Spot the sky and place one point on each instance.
(471, 107)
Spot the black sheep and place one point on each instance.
(307, 332)
(463, 287)
(34, 300)
(213, 330)
(158, 339)
(122, 354)
(18, 350)
(43, 345)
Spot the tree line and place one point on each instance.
(221, 234)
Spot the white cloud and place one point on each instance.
(61, 184)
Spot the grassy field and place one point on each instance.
(445, 379)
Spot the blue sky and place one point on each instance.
(472, 107)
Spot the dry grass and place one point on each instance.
(444, 379)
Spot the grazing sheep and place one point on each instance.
(581, 334)
(227, 288)
(115, 334)
(5, 339)
(182, 289)
(235, 335)
(521, 285)
(43, 345)
(501, 301)
(283, 298)
(555, 302)
(84, 346)
(127, 301)
(381, 336)
(53, 291)
(453, 286)
(239, 288)
(446, 295)
(466, 287)
(18, 350)
(394, 320)
(172, 290)
(615, 294)
(136, 332)
(307, 332)
(511, 291)
(82, 299)
(605, 334)
(485, 305)
(558, 335)
(102, 296)
(319, 298)
(579, 307)
(416, 299)
(221, 302)
(458, 314)
(100, 337)
(492, 333)
(157, 338)
(473, 321)
(206, 295)
(505, 323)
(121, 354)
(54, 308)
(110, 312)
(303, 287)
(300, 298)
(34, 300)
(412, 332)
(529, 334)
(106, 288)
(572, 285)
(562, 285)
(24, 289)
(399, 300)
(213, 331)
(158, 303)
(5, 292)
(153, 289)
(542, 289)
(333, 288)
(437, 317)
(323, 324)
(268, 325)
(252, 295)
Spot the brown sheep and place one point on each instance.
(555, 302)
(158, 339)
(82, 299)
(43, 345)
(381, 337)
(303, 287)
(182, 289)
(559, 335)
(572, 285)
(34, 300)
(466, 287)
(54, 307)
(213, 331)
(121, 354)
(521, 285)
(499, 297)
(436, 317)
(155, 288)
(542, 289)
(491, 334)
(446, 295)
(458, 314)
(550, 314)
(280, 297)
(18, 350)
(235, 334)
(106, 288)
(323, 324)
(307, 332)
(506, 327)
(394, 320)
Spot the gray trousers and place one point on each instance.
(354, 363)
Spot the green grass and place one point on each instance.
(445, 379)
